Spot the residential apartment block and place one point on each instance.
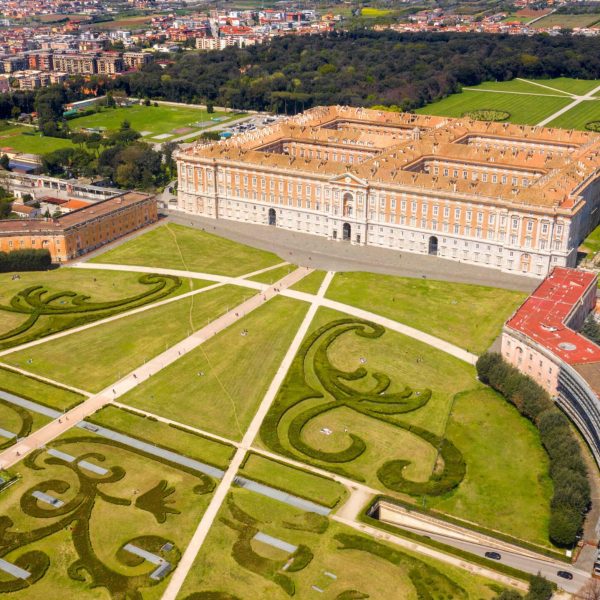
(509, 197)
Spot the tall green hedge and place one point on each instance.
(25, 260)
(568, 471)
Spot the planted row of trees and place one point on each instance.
(568, 471)
(25, 260)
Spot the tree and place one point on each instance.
(539, 588)
(5, 162)
(15, 112)
(591, 329)
(508, 595)
(210, 107)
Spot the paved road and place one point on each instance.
(320, 253)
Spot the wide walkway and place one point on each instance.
(187, 560)
(60, 425)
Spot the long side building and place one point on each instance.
(542, 341)
(510, 197)
(83, 230)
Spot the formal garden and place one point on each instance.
(91, 516)
(279, 552)
(386, 410)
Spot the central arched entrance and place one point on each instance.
(433, 245)
(272, 217)
(346, 232)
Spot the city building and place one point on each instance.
(510, 197)
(136, 60)
(81, 231)
(541, 340)
(110, 63)
(75, 64)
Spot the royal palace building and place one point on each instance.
(510, 197)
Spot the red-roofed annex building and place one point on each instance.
(541, 340)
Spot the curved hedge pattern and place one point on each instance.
(487, 114)
(37, 301)
(335, 391)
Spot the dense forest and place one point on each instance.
(360, 68)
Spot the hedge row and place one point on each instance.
(26, 422)
(155, 501)
(568, 470)
(25, 260)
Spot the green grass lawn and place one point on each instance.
(524, 109)
(567, 21)
(592, 242)
(578, 87)
(141, 497)
(578, 116)
(270, 277)
(311, 283)
(353, 568)
(177, 247)
(220, 383)
(15, 138)
(38, 391)
(459, 408)
(469, 316)
(18, 421)
(153, 119)
(521, 86)
(111, 350)
(184, 442)
(300, 483)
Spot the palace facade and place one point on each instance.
(510, 197)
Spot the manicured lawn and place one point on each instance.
(578, 87)
(311, 283)
(111, 350)
(469, 316)
(153, 120)
(301, 483)
(521, 86)
(524, 109)
(18, 421)
(177, 247)
(273, 275)
(391, 433)
(592, 242)
(220, 383)
(109, 292)
(143, 501)
(353, 562)
(38, 391)
(479, 425)
(16, 138)
(184, 442)
(578, 116)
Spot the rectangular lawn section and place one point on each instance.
(95, 358)
(98, 287)
(469, 316)
(579, 116)
(578, 87)
(521, 86)
(18, 421)
(26, 139)
(149, 504)
(295, 481)
(455, 406)
(178, 247)
(311, 283)
(567, 21)
(38, 391)
(270, 277)
(227, 565)
(184, 442)
(218, 386)
(524, 109)
(592, 242)
(154, 119)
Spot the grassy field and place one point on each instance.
(346, 558)
(469, 316)
(220, 383)
(33, 389)
(567, 21)
(16, 139)
(273, 275)
(150, 430)
(18, 421)
(177, 247)
(592, 242)
(151, 120)
(420, 368)
(111, 350)
(140, 500)
(300, 483)
(522, 106)
(578, 116)
(311, 283)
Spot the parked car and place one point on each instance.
(493, 555)
(565, 574)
